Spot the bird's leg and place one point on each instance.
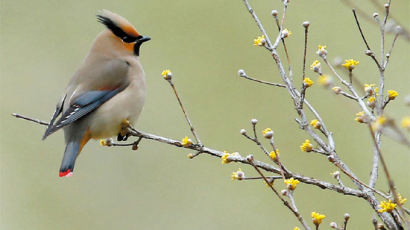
(124, 134)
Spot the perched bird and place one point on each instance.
(107, 90)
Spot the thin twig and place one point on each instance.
(263, 82)
(365, 41)
(185, 113)
(386, 171)
(30, 119)
(252, 12)
(294, 211)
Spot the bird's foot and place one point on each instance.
(124, 133)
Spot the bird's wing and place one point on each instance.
(57, 112)
(89, 100)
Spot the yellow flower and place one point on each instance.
(315, 66)
(296, 228)
(360, 117)
(291, 183)
(379, 123)
(225, 159)
(387, 206)
(259, 41)
(321, 50)
(286, 33)
(371, 102)
(167, 74)
(315, 124)
(273, 155)
(186, 142)
(238, 175)
(405, 122)
(325, 80)
(402, 200)
(267, 133)
(308, 82)
(369, 88)
(317, 218)
(306, 146)
(103, 142)
(350, 64)
(392, 94)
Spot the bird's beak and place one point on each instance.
(143, 39)
(138, 44)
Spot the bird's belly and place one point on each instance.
(107, 119)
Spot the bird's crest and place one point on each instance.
(118, 25)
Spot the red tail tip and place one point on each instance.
(67, 173)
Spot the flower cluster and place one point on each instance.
(392, 94)
(274, 154)
(371, 102)
(238, 175)
(226, 158)
(167, 74)
(321, 50)
(259, 41)
(325, 80)
(379, 122)
(267, 133)
(316, 67)
(291, 183)
(370, 89)
(307, 82)
(315, 124)
(186, 142)
(401, 199)
(286, 33)
(387, 206)
(361, 117)
(350, 64)
(317, 218)
(306, 146)
(405, 122)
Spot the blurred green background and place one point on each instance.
(204, 43)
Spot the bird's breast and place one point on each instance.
(106, 120)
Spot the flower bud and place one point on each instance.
(241, 73)
(249, 158)
(254, 121)
(243, 131)
(336, 174)
(333, 225)
(306, 24)
(274, 13)
(368, 52)
(337, 89)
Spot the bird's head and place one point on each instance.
(121, 32)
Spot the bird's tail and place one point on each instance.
(72, 150)
(70, 155)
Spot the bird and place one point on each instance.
(104, 93)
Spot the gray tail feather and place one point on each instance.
(70, 155)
